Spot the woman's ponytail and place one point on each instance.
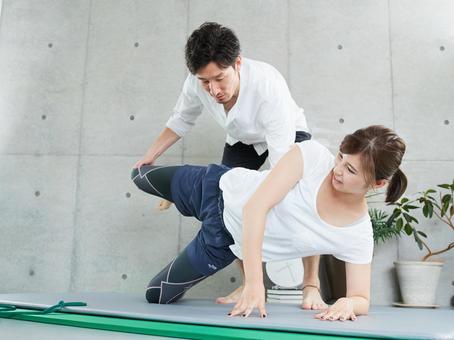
(396, 186)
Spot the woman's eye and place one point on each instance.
(351, 171)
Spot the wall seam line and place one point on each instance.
(73, 270)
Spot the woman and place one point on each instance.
(310, 203)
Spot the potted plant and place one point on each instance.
(418, 280)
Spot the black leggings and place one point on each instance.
(178, 276)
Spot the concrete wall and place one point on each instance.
(87, 85)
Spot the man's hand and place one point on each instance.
(342, 310)
(145, 160)
(252, 297)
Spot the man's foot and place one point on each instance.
(164, 205)
(233, 297)
(312, 299)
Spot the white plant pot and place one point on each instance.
(418, 281)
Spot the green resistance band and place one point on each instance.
(10, 310)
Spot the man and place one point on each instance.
(252, 102)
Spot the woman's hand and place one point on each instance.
(253, 296)
(342, 310)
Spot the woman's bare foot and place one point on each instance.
(233, 297)
(312, 299)
(164, 205)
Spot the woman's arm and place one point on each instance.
(358, 286)
(281, 179)
(358, 295)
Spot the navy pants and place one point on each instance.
(195, 192)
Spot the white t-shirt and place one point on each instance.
(264, 115)
(293, 227)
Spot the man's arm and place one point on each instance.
(185, 113)
(165, 140)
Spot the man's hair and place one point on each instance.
(211, 42)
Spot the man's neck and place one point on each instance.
(228, 106)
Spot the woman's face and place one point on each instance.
(348, 175)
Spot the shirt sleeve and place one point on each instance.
(316, 158)
(187, 108)
(278, 122)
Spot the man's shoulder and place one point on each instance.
(264, 77)
(259, 68)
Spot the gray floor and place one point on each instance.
(381, 322)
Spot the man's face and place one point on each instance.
(221, 83)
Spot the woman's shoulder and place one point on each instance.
(316, 157)
(312, 144)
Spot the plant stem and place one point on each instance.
(428, 249)
(447, 221)
(450, 246)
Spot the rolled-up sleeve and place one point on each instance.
(279, 124)
(187, 108)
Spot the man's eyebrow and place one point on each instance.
(216, 76)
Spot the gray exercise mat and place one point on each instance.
(384, 322)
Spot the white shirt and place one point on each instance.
(264, 115)
(293, 227)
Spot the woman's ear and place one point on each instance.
(380, 183)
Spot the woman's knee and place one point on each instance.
(152, 294)
(134, 173)
(138, 176)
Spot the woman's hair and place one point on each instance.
(211, 42)
(381, 151)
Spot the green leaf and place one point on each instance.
(410, 218)
(408, 229)
(451, 211)
(444, 208)
(425, 210)
(444, 186)
(431, 209)
(446, 198)
(422, 234)
(399, 224)
(430, 191)
(418, 241)
(404, 200)
(393, 216)
(411, 207)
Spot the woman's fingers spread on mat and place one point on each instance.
(248, 311)
(252, 297)
(237, 309)
(328, 314)
(262, 311)
(335, 316)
